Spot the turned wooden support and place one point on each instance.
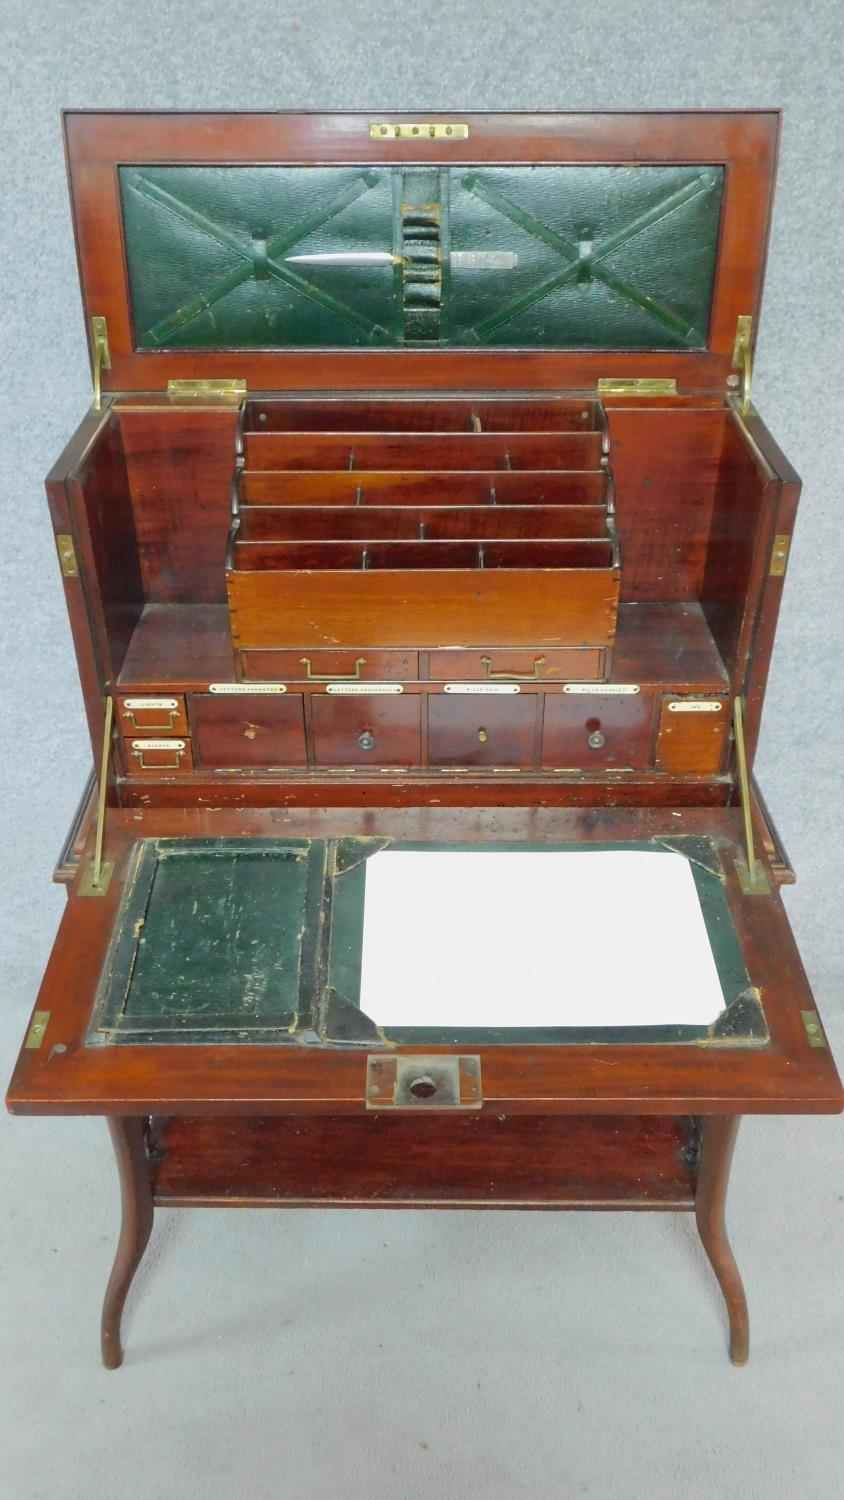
(127, 1135)
(718, 1138)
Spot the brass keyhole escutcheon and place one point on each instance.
(482, 736)
(423, 1087)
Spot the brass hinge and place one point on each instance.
(779, 556)
(35, 1034)
(813, 1028)
(101, 357)
(448, 130)
(206, 390)
(642, 386)
(67, 555)
(742, 360)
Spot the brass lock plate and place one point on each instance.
(415, 1081)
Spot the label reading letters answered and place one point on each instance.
(696, 706)
(246, 687)
(358, 689)
(482, 687)
(604, 689)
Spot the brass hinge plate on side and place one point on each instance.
(813, 1028)
(443, 1081)
(641, 386)
(447, 130)
(35, 1034)
(742, 360)
(779, 555)
(206, 390)
(67, 555)
(101, 357)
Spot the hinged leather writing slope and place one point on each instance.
(530, 250)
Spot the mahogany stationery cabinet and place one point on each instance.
(423, 553)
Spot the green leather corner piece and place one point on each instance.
(550, 257)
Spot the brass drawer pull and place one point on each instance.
(332, 676)
(533, 676)
(172, 716)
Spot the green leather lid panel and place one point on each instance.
(535, 257)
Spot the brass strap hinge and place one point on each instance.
(206, 390)
(36, 1032)
(742, 360)
(779, 555)
(750, 872)
(813, 1028)
(67, 555)
(643, 385)
(101, 357)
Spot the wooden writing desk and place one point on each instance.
(422, 507)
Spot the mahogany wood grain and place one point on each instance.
(718, 1139)
(248, 730)
(667, 645)
(127, 1136)
(545, 607)
(453, 451)
(180, 463)
(565, 414)
(423, 487)
(482, 731)
(472, 1160)
(598, 731)
(693, 742)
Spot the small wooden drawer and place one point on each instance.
(692, 735)
(481, 731)
(152, 757)
(330, 666)
(366, 731)
(506, 665)
(595, 731)
(156, 713)
(246, 731)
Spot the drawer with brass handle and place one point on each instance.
(152, 757)
(156, 713)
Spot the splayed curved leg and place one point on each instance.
(718, 1138)
(127, 1135)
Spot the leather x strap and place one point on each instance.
(586, 260)
(258, 257)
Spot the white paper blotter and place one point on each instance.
(577, 938)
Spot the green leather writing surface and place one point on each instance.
(566, 257)
(260, 940)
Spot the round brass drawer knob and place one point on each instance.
(596, 740)
(483, 736)
(366, 741)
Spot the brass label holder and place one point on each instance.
(750, 872)
(413, 1081)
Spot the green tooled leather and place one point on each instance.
(605, 257)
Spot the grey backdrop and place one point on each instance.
(409, 1355)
